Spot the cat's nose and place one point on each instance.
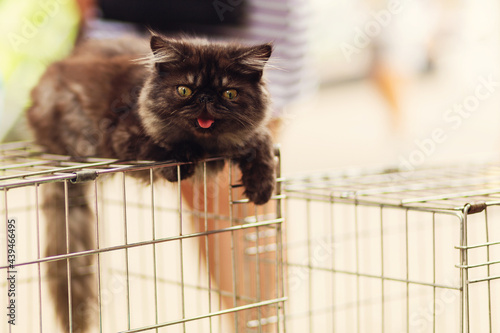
(205, 99)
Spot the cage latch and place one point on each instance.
(84, 176)
(476, 207)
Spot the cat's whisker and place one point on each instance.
(244, 121)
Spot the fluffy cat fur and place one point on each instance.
(187, 100)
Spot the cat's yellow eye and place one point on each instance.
(230, 94)
(184, 91)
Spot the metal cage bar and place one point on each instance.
(119, 205)
(439, 212)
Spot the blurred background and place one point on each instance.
(393, 74)
(355, 83)
(360, 82)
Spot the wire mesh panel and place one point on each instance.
(192, 256)
(392, 251)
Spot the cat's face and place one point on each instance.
(205, 89)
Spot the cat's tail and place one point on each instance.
(82, 288)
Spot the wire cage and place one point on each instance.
(183, 257)
(395, 251)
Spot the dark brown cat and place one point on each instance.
(189, 99)
(195, 100)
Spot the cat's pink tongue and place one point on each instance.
(205, 123)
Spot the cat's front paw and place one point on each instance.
(171, 173)
(259, 184)
(183, 152)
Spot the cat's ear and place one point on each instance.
(255, 58)
(157, 43)
(166, 51)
